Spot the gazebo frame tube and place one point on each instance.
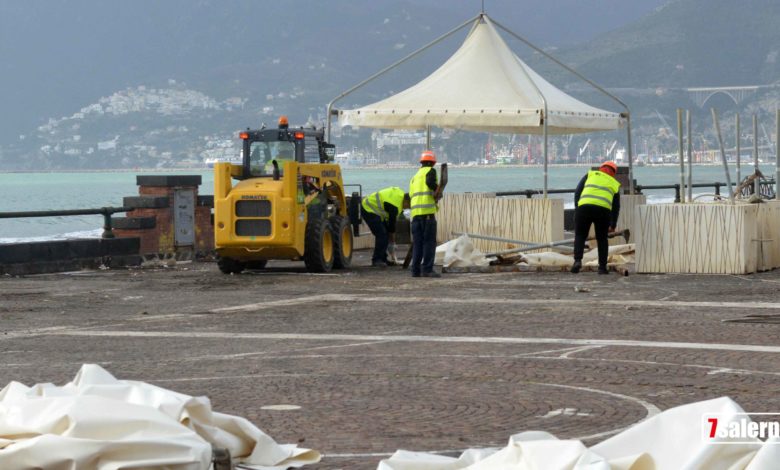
(480, 16)
(594, 85)
(392, 66)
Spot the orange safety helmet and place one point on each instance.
(428, 156)
(612, 166)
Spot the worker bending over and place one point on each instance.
(380, 211)
(422, 189)
(597, 202)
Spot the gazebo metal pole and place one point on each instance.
(545, 147)
(757, 182)
(394, 65)
(690, 156)
(739, 151)
(544, 104)
(680, 154)
(630, 155)
(427, 137)
(716, 123)
(777, 154)
(591, 83)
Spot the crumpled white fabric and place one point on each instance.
(672, 440)
(99, 422)
(546, 258)
(459, 253)
(618, 254)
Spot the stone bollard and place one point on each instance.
(169, 217)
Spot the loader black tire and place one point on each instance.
(230, 265)
(256, 264)
(318, 251)
(342, 242)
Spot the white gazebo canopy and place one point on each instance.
(484, 86)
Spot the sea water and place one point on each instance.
(73, 190)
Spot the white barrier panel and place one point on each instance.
(708, 238)
(532, 220)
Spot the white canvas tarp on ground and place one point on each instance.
(459, 253)
(672, 440)
(484, 86)
(99, 422)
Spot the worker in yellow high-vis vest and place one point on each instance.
(422, 188)
(597, 202)
(380, 212)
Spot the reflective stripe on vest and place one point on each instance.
(375, 202)
(599, 190)
(422, 196)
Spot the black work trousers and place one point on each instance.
(600, 217)
(423, 244)
(379, 230)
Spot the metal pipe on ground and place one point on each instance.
(491, 238)
(506, 240)
(626, 234)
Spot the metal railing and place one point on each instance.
(530, 193)
(106, 212)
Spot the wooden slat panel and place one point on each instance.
(365, 240)
(768, 237)
(629, 216)
(703, 238)
(533, 220)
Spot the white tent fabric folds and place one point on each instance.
(674, 439)
(484, 86)
(99, 422)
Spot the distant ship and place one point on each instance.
(350, 159)
(233, 159)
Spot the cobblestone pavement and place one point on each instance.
(379, 361)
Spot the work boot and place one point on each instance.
(575, 268)
(431, 274)
(603, 270)
(379, 264)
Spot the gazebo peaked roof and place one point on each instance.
(484, 86)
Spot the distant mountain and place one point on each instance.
(187, 74)
(57, 56)
(688, 43)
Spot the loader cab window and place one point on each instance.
(262, 154)
(311, 150)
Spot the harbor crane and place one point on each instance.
(583, 149)
(611, 149)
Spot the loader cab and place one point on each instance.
(265, 151)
